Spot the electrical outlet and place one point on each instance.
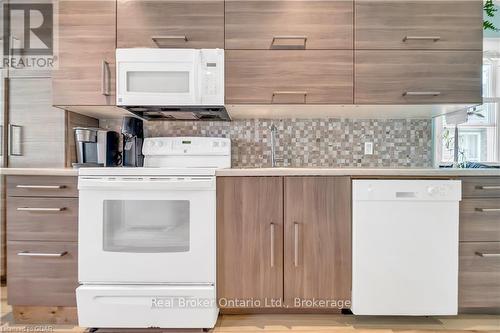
(368, 148)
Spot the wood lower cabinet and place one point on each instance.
(42, 248)
(479, 266)
(86, 64)
(299, 260)
(479, 282)
(288, 77)
(422, 25)
(249, 241)
(170, 23)
(298, 24)
(317, 241)
(417, 77)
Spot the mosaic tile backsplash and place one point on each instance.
(312, 142)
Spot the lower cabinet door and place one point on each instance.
(317, 264)
(249, 242)
(42, 273)
(479, 272)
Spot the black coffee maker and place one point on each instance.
(133, 137)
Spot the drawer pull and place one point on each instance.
(157, 39)
(432, 38)
(272, 244)
(421, 93)
(486, 210)
(304, 93)
(488, 255)
(275, 38)
(41, 254)
(488, 187)
(296, 244)
(42, 187)
(40, 209)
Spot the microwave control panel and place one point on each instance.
(212, 80)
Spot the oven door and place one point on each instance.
(158, 83)
(146, 230)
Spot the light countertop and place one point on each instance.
(362, 172)
(38, 171)
(444, 172)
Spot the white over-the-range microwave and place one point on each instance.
(177, 84)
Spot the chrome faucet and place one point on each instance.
(273, 145)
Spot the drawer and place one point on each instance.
(480, 220)
(481, 187)
(288, 77)
(42, 186)
(294, 24)
(417, 77)
(52, 219)
(423, 25)
(47, 275)
(170, 23)
(479, 282)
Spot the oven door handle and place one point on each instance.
(147, 183)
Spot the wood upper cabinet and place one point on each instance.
(417, 77)
(170, 23)
(288, 77)
(428, 24)
(87, 41)
(249, 240)
(317, 239)
(282, 24)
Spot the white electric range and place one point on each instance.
(147, 241)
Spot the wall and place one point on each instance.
(312, 142)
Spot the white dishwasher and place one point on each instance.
(405, 247)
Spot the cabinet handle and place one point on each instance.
(157, 39)
(40, 209)
(488, 255)
(485, 210)
(105, 78)
(296, 244)
(304, 38)
(45, 187)
(272, 244)
(488, 187)
(41, 254)
(304, 93)
(15, 140)
(431, 38)
(421, 93)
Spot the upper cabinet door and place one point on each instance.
(289, 77)
(417, 77)
(87, 41)
(249, 240)
(430, 24)
(284, 24)
(170, 23)
(317, 239)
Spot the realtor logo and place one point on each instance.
(28, 35)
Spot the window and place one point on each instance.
(479, 133)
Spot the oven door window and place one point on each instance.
(146, 226)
